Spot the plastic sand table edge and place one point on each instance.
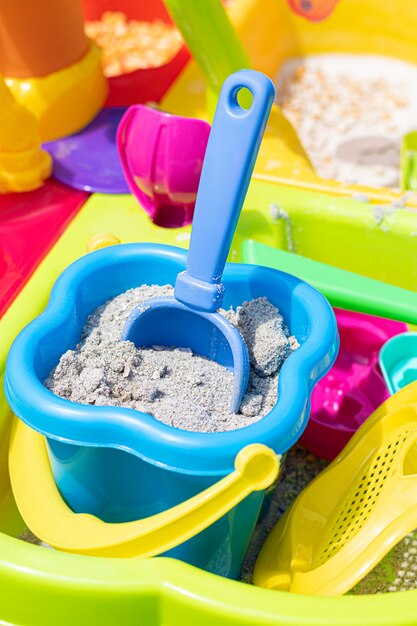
(164, 591)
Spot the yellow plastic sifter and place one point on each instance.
(354, 512)
(50, 519)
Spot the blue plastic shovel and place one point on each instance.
(190, 319)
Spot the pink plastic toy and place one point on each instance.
(162, 156)
(30, 223)
(354, 387)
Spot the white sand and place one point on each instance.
(351, 112)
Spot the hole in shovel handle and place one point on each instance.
(241, 100)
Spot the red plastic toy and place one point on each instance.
(30, 223)
(140, 86)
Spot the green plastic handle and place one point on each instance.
(409, 161)
(343, 289)
(210, 37)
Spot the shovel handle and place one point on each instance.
(231, 153)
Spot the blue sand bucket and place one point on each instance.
(120, 464)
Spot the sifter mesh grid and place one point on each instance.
(362, 498)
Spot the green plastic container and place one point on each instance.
(41, 587)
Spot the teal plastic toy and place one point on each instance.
(398, 361)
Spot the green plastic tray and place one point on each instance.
(41, 587)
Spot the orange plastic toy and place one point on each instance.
(38, 38)
(49, 64)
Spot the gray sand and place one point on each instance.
(172, 384)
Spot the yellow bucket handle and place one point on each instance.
(50, 519)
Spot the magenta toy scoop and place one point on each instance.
(162, 156)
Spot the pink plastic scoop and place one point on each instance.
(162, 156)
